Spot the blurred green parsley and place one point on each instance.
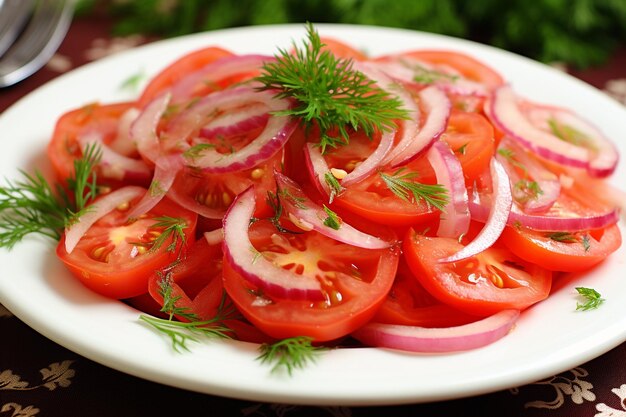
(580, 33)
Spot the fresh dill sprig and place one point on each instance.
(329, 92)
(196, 151)
(173, 227)
(424, 75)
(593, 299)
(333, 184)
(404, 186)
(333, 221)
(32, 205)
(569, 134)
(565, 237)
(182, 332)
(290, 354)
(526, 190)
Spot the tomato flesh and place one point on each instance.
(115, 258)
(354, 280)
(489, 282)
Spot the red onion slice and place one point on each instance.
(273, 137)
(367, 166)
(144, 129)
(165, 170)
(603, 153)
(410, 126)
(498, 215)
(309, 216)
(123, 143)
(479, 209)
(455, 217)
(218, 70)
(112, 164)
(437, 107)
(236, 122)
(428, 340)
(413, 71)
(513, 157)
(505, 112)
(253, 266)
(318, 168)
(99, 209)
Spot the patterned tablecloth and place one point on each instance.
(40, 378)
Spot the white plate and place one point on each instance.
(549, 338)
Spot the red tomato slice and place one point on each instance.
(178, 70)
(343, 50)
(114, 257)
(409, 304)
(371, 198)
(217, 191)
(489, 282)
(469, 67)
(196, 286)
(568, 252)
(471, 137)
(63, 148)
(355, 280)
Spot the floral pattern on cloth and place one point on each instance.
(56, 375)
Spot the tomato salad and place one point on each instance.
(223, 202)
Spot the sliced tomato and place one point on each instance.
(354, 280)
(371, 198)
(409, 304)
(177, 70)
(102, 119)
(217, 191)
(489, 282)
(563, 251)
(469, 67)
(471, 137)
(116, 258)
(343, 50)
(195, 287)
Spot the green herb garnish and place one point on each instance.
(404, 186)
(329, 93)
(173, 227)
(593, 299)
(333, 184)
(32, 205)
(179, 332)
(333, 221)
(289, 354)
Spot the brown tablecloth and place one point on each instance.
(41, 378)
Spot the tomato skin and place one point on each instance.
(342, 50)
(63, 148)
(470, 67)
(471, 137)
(539, 248)
(284, 318)
(124, 274)
(180, 68)
(409, 304)
(196, 286)
(463, 284)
